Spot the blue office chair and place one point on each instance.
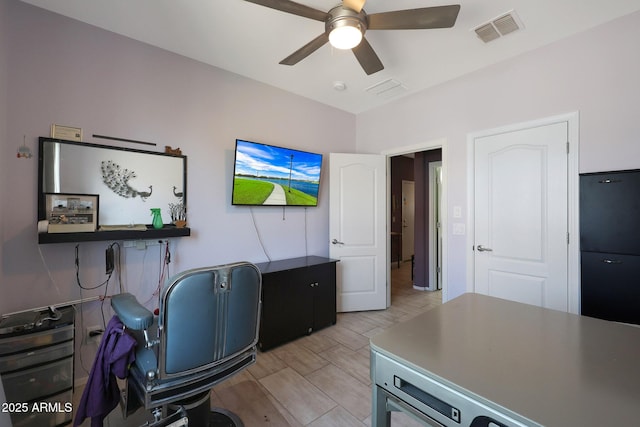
(206, 331)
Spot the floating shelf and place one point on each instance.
(150, 233)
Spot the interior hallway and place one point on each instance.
(318, 380)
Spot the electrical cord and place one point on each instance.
(255, 226)
(77, 264)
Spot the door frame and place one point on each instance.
(435, 213)
(573, 248)
(402, 210)
(434, 144)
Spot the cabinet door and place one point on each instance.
(324, 295)
(610, 287)
(287, 298)
(609, 212)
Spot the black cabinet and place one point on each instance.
(610, 212)
(298, 297)
(610, 286)
(610, 245)
(36, 366)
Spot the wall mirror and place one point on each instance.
(129, 182)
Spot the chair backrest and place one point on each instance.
(207, 316)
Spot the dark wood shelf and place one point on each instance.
(96, 236)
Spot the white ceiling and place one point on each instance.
(250, 40)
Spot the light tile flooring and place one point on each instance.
(321, 379)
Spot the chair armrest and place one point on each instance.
(130, 312)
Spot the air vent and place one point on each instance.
(386, 88)
(497, 27)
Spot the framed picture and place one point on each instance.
(72, 213)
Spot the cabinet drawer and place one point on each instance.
(45, 380)
(610, 288)
(35, 357)
(39, 339)
(609, 210)
(54, 411)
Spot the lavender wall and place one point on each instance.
(595, 73)
(65, 72)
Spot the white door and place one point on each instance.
(408, 219)
(357, 230)
(521, 215)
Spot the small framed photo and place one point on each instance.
(72, 213)
(66, 132)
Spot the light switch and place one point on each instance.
(457, 212)
(458, 228)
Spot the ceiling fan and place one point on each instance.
(346, 24)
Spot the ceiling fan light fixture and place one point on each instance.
(345, 34)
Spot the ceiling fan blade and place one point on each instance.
(367, 57)
(306, 50)
(415, 19)
(356, 5)
(294, 8)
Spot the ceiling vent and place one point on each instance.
(497, 27)
(386, 88)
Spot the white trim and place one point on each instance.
(573, 199)
(441, 143)
(433, 226)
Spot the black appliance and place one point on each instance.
(610, 245)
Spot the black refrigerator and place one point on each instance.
(610, 245)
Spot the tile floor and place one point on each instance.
(321, 379)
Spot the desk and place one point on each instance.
(478, 360)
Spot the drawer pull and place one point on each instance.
(609, 181)
(612, 261)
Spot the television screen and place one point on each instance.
(267, 175)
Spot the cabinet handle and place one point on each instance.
(612, 261)
(609, 181)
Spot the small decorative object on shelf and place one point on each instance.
(178, 214)
(157, 218)
(72, 213)
(66, 132)
(174, 151)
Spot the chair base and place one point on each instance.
(201, 414)
(219, 417)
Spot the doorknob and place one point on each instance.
(336, 242)
(483, 249)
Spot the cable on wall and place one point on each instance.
(306, 245)
(255, 226)
(165, 260)
(46, 267)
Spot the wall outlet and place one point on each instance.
(93, 334)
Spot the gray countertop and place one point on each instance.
(554, 368)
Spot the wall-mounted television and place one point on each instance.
(267, 175)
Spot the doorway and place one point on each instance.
(394, 218)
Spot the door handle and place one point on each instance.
(483, 249)
(336, 242)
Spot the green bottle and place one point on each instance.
(157, 218)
